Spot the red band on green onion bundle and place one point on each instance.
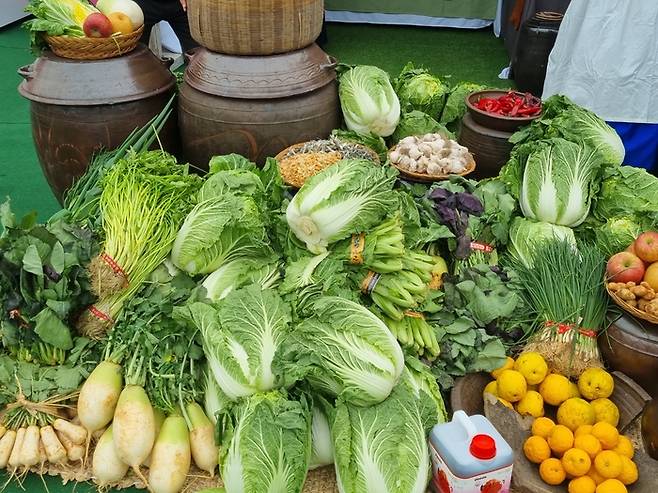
(587, 333)
(99, 314)
(113, 265)
(561, 327)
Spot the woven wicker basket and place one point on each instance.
(94, 48)
(255, 27)
(629, 308)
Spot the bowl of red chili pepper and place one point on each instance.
(503, 110)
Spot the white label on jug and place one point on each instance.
(444, 481)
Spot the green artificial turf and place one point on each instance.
(462, 54)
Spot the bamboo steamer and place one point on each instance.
(255, 27)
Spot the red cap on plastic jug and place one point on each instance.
(483, 447)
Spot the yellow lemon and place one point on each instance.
(491, 388)
(511, 385)
(588, 443)
(606, 411)
(573, 389)
(625, 447)
(608, 464)
(595, 383)
(532, 366)
(509, 364)
(584, 484)
(531, 404)
(611, 486)
(552, 472)
(542, 427)
(629, 473)
(596, 477)
(607, 435)
(575, 412)
(584, 430)
(536, 449)
(576, 462)
(561, 439)
(554, 389)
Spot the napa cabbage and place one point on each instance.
(265, 444)
(344, 350)
(368, 100)
(241, 338)
(627, 190)
(237, 273)
(526, 235)
(349, 197)
(419, 90)
(383, 448)
(322, 450)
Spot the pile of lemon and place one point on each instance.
(585, 445)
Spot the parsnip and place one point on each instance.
(6, 446)
(76, 434)
(55, 451)
(15, 456)
(29, 454)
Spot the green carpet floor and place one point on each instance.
(463, 55)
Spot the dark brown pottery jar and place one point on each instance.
(536, 40)
(255, 106)
(631, 346)
(489, 147)
(650, 428)
(79, 107)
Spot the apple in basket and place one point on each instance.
(97, 25)
(646, 246)
(128, 7)
(625, 267)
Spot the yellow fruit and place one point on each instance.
(575, 412)
(531, 404)
(611, 486)
(607, 435)
(629, 473)
(536, 449)
(554, 389)
(532, 366)
(598, 479)
(509, 364)
(506, 403)
(625, 447)
(584, 484)
(584, 430)
(595, 383)
(511, 385)
(588, 443)
(573, 390)
(542, 427)
(576, 462)
(552, 472)
(606, 410)
(491, 388)
(561, 439)
(608, 464)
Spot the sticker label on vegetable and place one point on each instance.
(482, 247)
(370, 282)
(357, 245)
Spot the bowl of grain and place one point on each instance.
(299, 162)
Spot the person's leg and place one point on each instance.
(181, 26)
(152, 15)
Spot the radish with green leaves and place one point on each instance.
(107, 467)
(202, 439)
(170, 460)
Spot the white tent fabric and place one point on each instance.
(605, 58)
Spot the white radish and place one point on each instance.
(6, 446)
(29, 455)
(202, 439)
(171, 458)
(55, 451)
(159, 419)
(134, 428)
(76, 434)
(15, 457)
(3, 430)
(106, 465)
(98, 398)
(74, 451)
(43, 456)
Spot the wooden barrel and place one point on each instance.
(255, 27)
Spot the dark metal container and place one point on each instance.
(536, 40)
(79, 107)
(255, 106)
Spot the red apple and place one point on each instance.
(631, 248)
(97, 25)
(646, 246)
(625, 267)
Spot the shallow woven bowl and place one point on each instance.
(631, 309)
(491, 120)
(94, 48)
(424, 177)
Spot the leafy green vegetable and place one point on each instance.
(424, 384)
(617, 233)
(265, 444)
(368, 100)
(322, 453)
(349, 197)
(627, 190)
(371, 140)
(418, 123)
(455, 107)
(238, 273)
(56, 18)
(554, 180)
(237, 181)
(526, 235)
(419, 90)
(383, 448)
(344, 350)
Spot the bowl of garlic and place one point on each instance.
(431, 157)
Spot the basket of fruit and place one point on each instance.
(632, 278)
(78, 30)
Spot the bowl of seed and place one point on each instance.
(299, 162)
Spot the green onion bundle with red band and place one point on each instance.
(511, 104)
